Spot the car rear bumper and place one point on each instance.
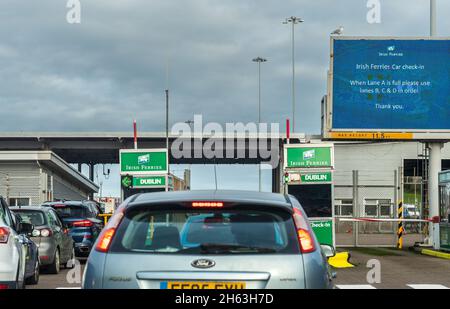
(8, 268)
(47, 249)
(82, 249)
(10, 285)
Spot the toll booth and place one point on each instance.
(444, 210)
(308, 175)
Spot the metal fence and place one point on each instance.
(372, 195)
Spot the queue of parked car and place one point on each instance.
(44, 238)
(168, 240)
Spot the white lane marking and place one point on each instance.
(69, 288)
(428, 286)
(355, 287)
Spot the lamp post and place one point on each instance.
(293, 21)
(433, 18)
(259, 60)
(435, 165)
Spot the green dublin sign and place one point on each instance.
(316, 177)
(143, 161)
(148, 181)
(323, 230)
(306, 177)
(307, 156)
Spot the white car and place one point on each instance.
(411, 211)
(12, 250)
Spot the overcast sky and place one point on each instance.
(100, 74)
(111, 68)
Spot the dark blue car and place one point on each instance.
(82, 219)
(32, 264)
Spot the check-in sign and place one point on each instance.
(308, 156)
(143, 161)
(323, 230)
(148, 181)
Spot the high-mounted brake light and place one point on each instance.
(106, 236)
(59, 205)
(4, 235)
(304, 232)
(207, 204)
(83, 223)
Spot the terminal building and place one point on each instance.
(370, 179)
(33, 177)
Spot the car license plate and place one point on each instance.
(202, 285)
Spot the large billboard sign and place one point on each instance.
(388, 88)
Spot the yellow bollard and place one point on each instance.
(105, 217)
(400, 226)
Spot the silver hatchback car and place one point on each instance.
(208, 240)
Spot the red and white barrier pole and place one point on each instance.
(288, 130)
(135, 134)
(432, 220)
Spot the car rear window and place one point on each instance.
(206, 232)
(70, 211)
(34, 217)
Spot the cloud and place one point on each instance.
(111, 68)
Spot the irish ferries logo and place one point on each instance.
(144, 159)
(309, 154)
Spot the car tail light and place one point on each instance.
(106, 236)
(46, 232)
(83, 223)
(4, 235)
(304, 232)
(105, 240)
(207, 204)
(3, 287)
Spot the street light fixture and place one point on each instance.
(293, 20)
(259, 60)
